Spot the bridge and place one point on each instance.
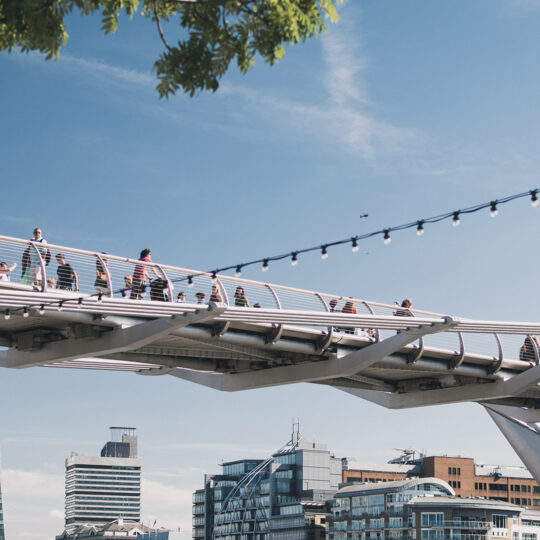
(264, 335)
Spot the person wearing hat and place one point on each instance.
(200, 297)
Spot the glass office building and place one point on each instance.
(284, 497)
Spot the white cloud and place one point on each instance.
(342, 118)
(40, 492)
(344, 65)
(97, 68)
(167, 504)
(18, 482)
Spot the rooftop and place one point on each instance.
(470, 502)
(396, 485)
(506, 471)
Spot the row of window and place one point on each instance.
(103, 478)
(72, 497)
(100, 467)
(454, 471)
(518, 500)
(101, 485)
(524, 488)
(100, 505)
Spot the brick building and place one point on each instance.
(468, 479)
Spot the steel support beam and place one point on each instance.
(349, 364)
(470, 392)
(114, 341)
(524, 437)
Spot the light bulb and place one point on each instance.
(7, 315)
(265, 265)
(25, 312)
(387, 238)
(420, 228)
(294, 259)
(214, 278)
(534, 198)
(355, 247)
(493, 212)
(190, 282)
(60, 306)
(238, 272)
(42, 309)
(324, 253)
(455, 220)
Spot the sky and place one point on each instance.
(402, 110)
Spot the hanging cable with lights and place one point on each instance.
(419, 224)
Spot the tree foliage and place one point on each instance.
(212, 33)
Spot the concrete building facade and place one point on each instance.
(102, 489)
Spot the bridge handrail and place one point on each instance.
(222, 277)
(281, 297)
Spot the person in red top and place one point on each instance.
(349, 307)
(140, 275)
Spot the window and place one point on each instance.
(459, 471)
(459, 484)
(454, 470)
(432, 519)
(432, 534)
(499, 521)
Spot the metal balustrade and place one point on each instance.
(493, 343)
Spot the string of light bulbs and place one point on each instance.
(454, 215)
(385, 233)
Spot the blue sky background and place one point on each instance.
(403, 110)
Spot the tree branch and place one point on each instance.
(160, 30)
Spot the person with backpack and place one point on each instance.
(31, 273)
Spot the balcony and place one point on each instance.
(460, 524)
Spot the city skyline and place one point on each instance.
(398, 112)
